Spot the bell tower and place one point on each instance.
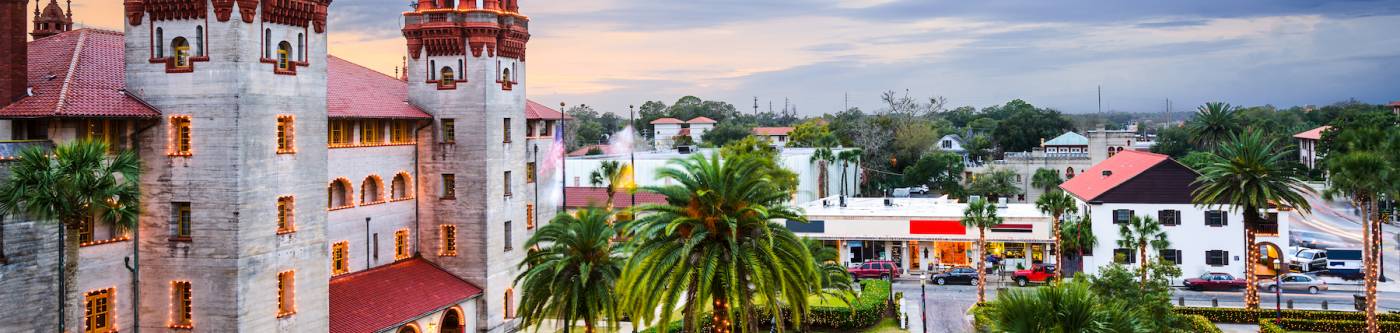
(466, 67)
(52, 20)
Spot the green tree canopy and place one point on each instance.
(811, 133)
(995, 183)
(751, 147)
(939, 170)
(726, 132)
(1024, 126)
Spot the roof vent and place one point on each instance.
(1107, 173)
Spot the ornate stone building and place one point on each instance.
(245, 126)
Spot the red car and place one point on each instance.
(1214, 281)
(883, 269)
(1037, 274)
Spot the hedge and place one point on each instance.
(1268, 326)
(868, 308)
(1243, 316)
(1198, 323)
(1338, 326)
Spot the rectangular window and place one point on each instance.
(449, 240)
(1217, 258)
(339, 133)
(509, 244)
(180, 221)
(401, 244)
(1171, 256)
(1217, 218)
(286, 294)
(180, 136)
(529, 172)
(529, 216)
(449, 186)
(505, 131)
(1124, 256)
(286, 215)
(97, 312)
(1121, 216)
(182, 306)
(339, 263)
(449, 130)
(371, 132)
(530, 128)
(85, 231)
(1169, 217)
(376, 247)
(285, 145)
(506, 181)
(399, 132)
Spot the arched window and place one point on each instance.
(160, 43)
(339, 195)
(447, 77)
(372, 190)
(452, 321)
(410, 328)
(505, 75)
(401, 188)
(181, 49)
(199, 40)
(301, 47)
(1110, 152)
(267, 43)
(432, 64)
(1069, 172)
(284, 55)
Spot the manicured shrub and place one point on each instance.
(1338, 326)
(1268, 326)
(1243, 316)
(1198, 323)
(865, 311)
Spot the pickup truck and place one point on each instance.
(1037, 274)
(883, 269)
(1214, 281)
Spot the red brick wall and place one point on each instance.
(14, 54)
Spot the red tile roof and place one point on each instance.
(79, 73)
(701, 120)
(374, 299)
(667, 121)
(772, 130)
(1314, 134)
(535, 110)
(579, 197)
(1395, 103)
(584, 151)
(1127, 164)
(358, 92)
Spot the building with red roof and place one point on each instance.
(581, 197)
(402, 293)
(1307, 145)
(776, 135)
(1147, 185)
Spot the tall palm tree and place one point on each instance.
(1046, 179)
(1057, 204)
(1077, 235)
(1361, 172)
(76, 184)
(714, 246)
(1251, 174)
(609, 175)
(846, 157)
(981, 214)
(1215, 122)
(572, 275)
(822, 156)
(1138, 234)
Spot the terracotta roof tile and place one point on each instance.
(373, 299)
(772, 130)
(667, 121)
(358, 92)
(701, 120)
(1314, 134)
(1089, 185)
(579, 197)
(534, 110)
(79, 73)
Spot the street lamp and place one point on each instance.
(923, 302)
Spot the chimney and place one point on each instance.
(14, 51)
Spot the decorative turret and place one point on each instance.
(53, 20)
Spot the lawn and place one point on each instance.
(886, 325)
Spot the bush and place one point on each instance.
(1338, 326)
(1243, 316)
(865, 311)
(1198, 323)
(1268, 326)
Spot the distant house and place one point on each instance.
(666, 130)
(1068, 144)
(1395, 106)
(778, 136)
(954, 144)
(1307, 146)
(699, 126)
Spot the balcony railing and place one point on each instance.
(10, 150)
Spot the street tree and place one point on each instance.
(982, 215)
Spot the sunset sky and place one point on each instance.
(611, 53)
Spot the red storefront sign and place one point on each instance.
(936, 227)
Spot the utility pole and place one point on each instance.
(1100, 98)
(755, 105)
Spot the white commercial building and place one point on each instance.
(799, 160)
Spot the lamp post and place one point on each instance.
(923, 302)
(563, 163)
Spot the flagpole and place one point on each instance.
(563, 163)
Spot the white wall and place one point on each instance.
(796, 159)
(1192, 237)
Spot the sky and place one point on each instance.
(822, 55)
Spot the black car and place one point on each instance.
(966, 275)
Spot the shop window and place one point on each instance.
(449, 130)
(182, 305)
(180, 221)
(449, 240)
(286, 293)
(371, 190)
(339, 263)
(97, 312)
(401, 244)
(181, 49)
(286, 215)
(285, 137)
(371, 132)
(449, 186)
(180, 136)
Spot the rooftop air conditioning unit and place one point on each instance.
(889, 202)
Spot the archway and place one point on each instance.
(452, 321)
(410, 328)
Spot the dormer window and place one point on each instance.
(181, 49)
(284, 54)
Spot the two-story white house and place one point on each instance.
(1203, 239)
(778, 136)
(1307, 146)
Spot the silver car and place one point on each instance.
(1296, 282)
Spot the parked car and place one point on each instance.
(966, 275)
(1345, 263)
(902, 192)
(1308, 260)
(1295, 282)
(1318, 240)
(921, 189)
(1215, 281)
(1038, 274)
(883, 269)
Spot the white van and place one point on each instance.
(1345, 263)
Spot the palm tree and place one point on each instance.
(821, 157)
(1069, 306)
(846, 157)
(1360, 171)
(1139, 233)
(76, 184)
(609, 174)
(1251, 174)
(981, 214)
(572, 275)
(1046, 179)
(834, 279)
(1057, 204)
(1215, 122)
(1077, 235)
(995, 183)
(713, 246)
